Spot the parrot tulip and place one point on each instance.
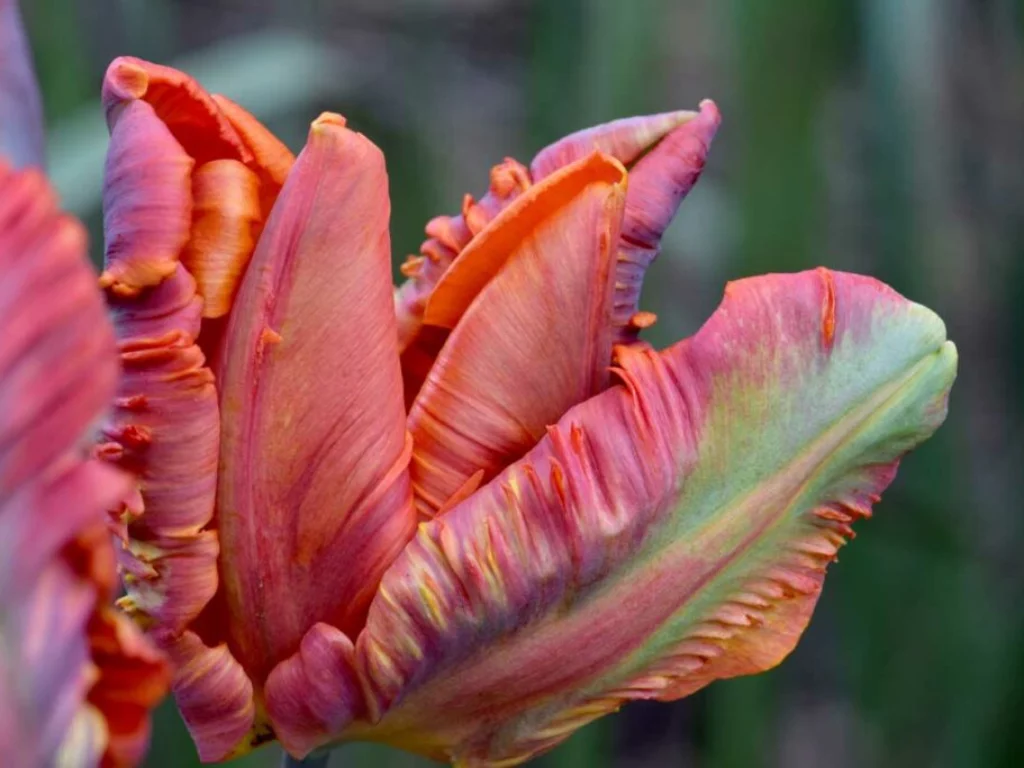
(77, 678)
(471, 515)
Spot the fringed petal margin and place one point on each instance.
(447, 237)
(165, 431)
(671, 531)
(313, 499)
(541, 274)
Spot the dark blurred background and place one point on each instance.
(882, 136)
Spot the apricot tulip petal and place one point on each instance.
(270, 155)
(313, 475)
(226, 218)
(541, 273)
(22, 132)
(672, 530)
(658, 182)
(188, 111)
(448, 236)
(147, 201)
(625, 140)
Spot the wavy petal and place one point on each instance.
(22, 133)
(215, 697)
(668, 532)
(272, 158)
(313, 473)
(315, 693)
(147, 201)
(448, 236)
(546, 262)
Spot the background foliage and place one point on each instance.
(872, 135)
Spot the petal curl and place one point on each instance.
(22, 133)
(313, 473)
(541, 273)
(670, 531)
(147, 201)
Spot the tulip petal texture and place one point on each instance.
(471, 514)
(77, 678)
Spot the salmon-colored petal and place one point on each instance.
(147, 201)
(313, 470)
(188, 111)
(625, 140)
(226, 220)
(541, 275)
(672, 530)
(58, 370)
(311, 696)
(658, 182)
(22, 133)
(215, 697)
(448, 236)
(273, 159)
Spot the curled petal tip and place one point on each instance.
(329, 120)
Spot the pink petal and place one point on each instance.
(625, 140)
(669, 531)
(314, 499)
(542, 272)
(147, 201)
(315, 693)
(22, 134)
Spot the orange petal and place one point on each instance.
(449, 235)
(273, 159)
(147, 202)
(226, 215)
(313, 476)
(532, 343)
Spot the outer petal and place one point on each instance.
(313, 470)
(547, 264)
(22, 133)
(57, 371)
(668, 532)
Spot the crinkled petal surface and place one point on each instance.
(313, 499)
(530, 302)
(59, 694)
(22, 132)
(670, 531)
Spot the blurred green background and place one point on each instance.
(882, 136)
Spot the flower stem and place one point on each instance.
(315, 760)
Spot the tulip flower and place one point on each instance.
(77, 678)
(471, 515)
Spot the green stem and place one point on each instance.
(315, 760)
